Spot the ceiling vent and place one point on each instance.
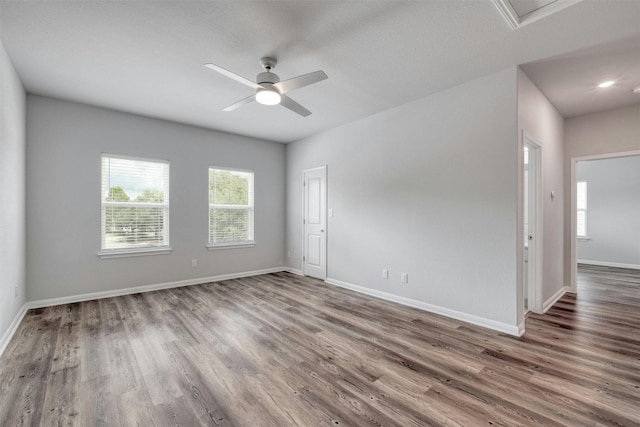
(519, 13)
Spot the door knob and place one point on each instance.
(322, 231)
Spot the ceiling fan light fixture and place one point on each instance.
(268, 96)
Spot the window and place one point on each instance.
(135, 205)
(581, 217)
(230, 208)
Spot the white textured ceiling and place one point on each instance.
(146, 57)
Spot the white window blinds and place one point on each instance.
(581, 217)
(230, 207)
(135, 204)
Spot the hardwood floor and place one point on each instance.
(280, 350)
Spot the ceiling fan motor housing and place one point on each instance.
(267, 77)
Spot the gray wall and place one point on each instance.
(64, 143)
(604, 133)
(12, 193)
(613, 211)
(539, 119)
(428, 188)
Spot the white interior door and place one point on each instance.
(527, 216)
(314, 257)
(533, 226)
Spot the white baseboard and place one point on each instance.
(119, 292)
(609, 264)
(521, 329)
(149, 288)
(476, 320)
(13, 327)
(295, 271)
(480, 321)
(554, 298)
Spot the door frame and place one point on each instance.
(326, 222)
(573, 251)
(534, 279)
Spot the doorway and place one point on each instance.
(314, 223)
(574, 228)
(532, 211)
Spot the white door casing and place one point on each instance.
(527, 215)
(534, 273)
(314, 252)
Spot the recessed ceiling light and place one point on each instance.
(607, 83)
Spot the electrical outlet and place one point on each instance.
(15, 291)
(385, 273)
(404, 278)
(194, 263)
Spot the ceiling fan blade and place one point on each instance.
(294, 106)
(233, 76)
(300, 81)
(240, 103)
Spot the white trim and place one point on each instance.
(318, 168)
(124, 253)
(508, 13)
(516, 21)
(607, 156)
(521, 326)
(554, 298)
(218, 246)
(134, 158)
(13, 327)
(231, 169)
(4, 341)
(609, 264)
(458, 315)
(573, 226)
(295, 271)
(148, 288)
(535, 257)
(573, 252)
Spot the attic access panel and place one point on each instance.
(519, 13)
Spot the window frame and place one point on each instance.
(162, 249)
(585, 235)
(250, 242)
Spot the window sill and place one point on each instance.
(585, 238)
(140, 252)
(231, 246)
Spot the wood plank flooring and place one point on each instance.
(281, 350)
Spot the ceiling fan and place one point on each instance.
(269, 89)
